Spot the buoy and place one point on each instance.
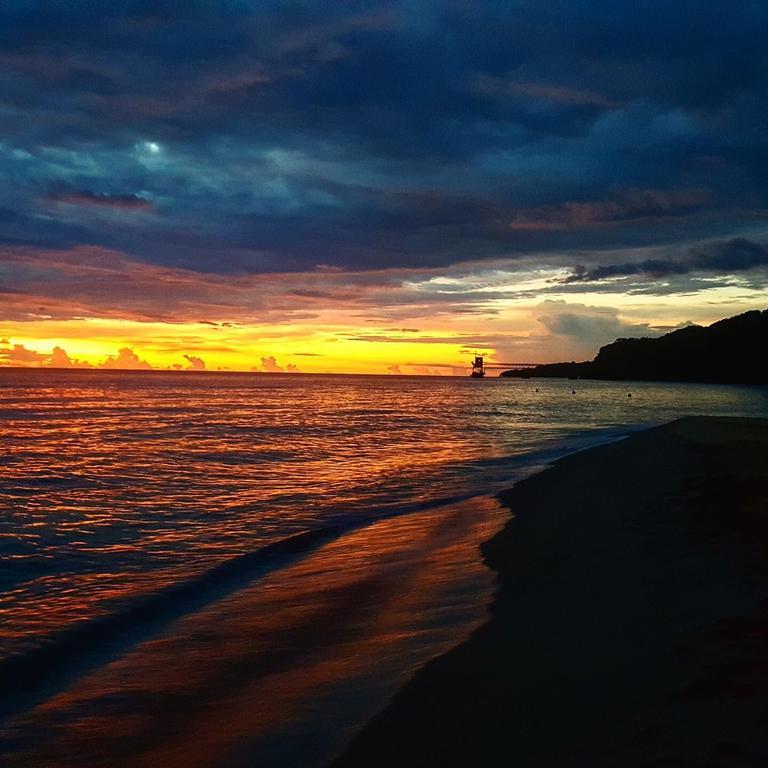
(629, 394)
(573, 391)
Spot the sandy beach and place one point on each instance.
(630, 625)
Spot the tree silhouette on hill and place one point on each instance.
(733, 351)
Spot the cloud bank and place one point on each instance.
(238, 137)
(736, 255)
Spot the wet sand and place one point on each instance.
(630, 625)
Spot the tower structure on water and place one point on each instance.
(478, 367)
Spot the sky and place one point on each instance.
(375, 186)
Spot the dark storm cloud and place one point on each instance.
(631, 205)
(272, 135)
(736, 255)
(84, 197)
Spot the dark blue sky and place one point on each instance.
(261, 136)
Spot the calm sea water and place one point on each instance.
(144, 617)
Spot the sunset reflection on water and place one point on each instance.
(289, 663)
(117, 483)
(139, 622)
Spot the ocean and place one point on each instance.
(204, 569)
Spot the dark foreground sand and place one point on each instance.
(631, 623)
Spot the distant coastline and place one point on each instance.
(729, 351)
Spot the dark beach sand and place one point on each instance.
(631, 623)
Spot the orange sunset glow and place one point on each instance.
(409, 321)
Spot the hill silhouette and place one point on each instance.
(730, 351)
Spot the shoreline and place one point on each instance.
(248, 664)
(629, 623)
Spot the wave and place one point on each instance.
(31, 676)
